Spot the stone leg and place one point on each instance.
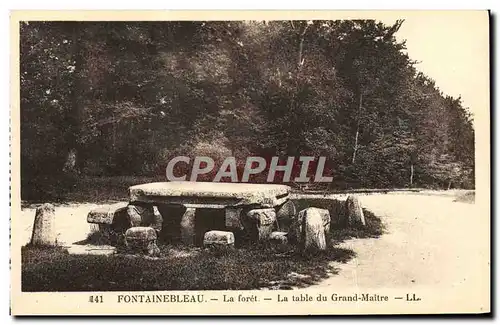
(232, 218)
(285, 214)
(265, 231)
(141, 215)
(188, 231)
(264, 220)
(325, 216)
(171, 227)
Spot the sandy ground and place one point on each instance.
(71, 222)
(432, 245)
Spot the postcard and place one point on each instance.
(250, 162)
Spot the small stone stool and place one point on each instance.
(218, 239)
(142, 239)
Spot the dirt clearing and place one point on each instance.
(432, 244)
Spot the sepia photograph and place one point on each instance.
(324, 163)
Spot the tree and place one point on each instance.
(131, 95)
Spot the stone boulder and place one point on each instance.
(233, 218)
(108, 223)
(296, 229)
(188, 231)
(141, 240)
(153, 249)
(264, 220)
(44, 229)
(309, 230)
(325, 216)
(218, 239)
(314, 231)
(354, 212)
(285, 214)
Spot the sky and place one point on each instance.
(452, 48)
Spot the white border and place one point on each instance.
(217, 4)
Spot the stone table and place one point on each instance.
(240, 206)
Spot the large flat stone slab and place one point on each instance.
(210, 195)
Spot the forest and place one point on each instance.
(105, 99)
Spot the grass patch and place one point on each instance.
(241, 269)
(373, 229)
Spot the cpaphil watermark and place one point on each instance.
(303, 169)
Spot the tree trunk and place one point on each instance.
(300, 59)
(301, 47)
(411, 175)
(75, 115)
(355, 145)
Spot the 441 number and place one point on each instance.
(96, 299)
